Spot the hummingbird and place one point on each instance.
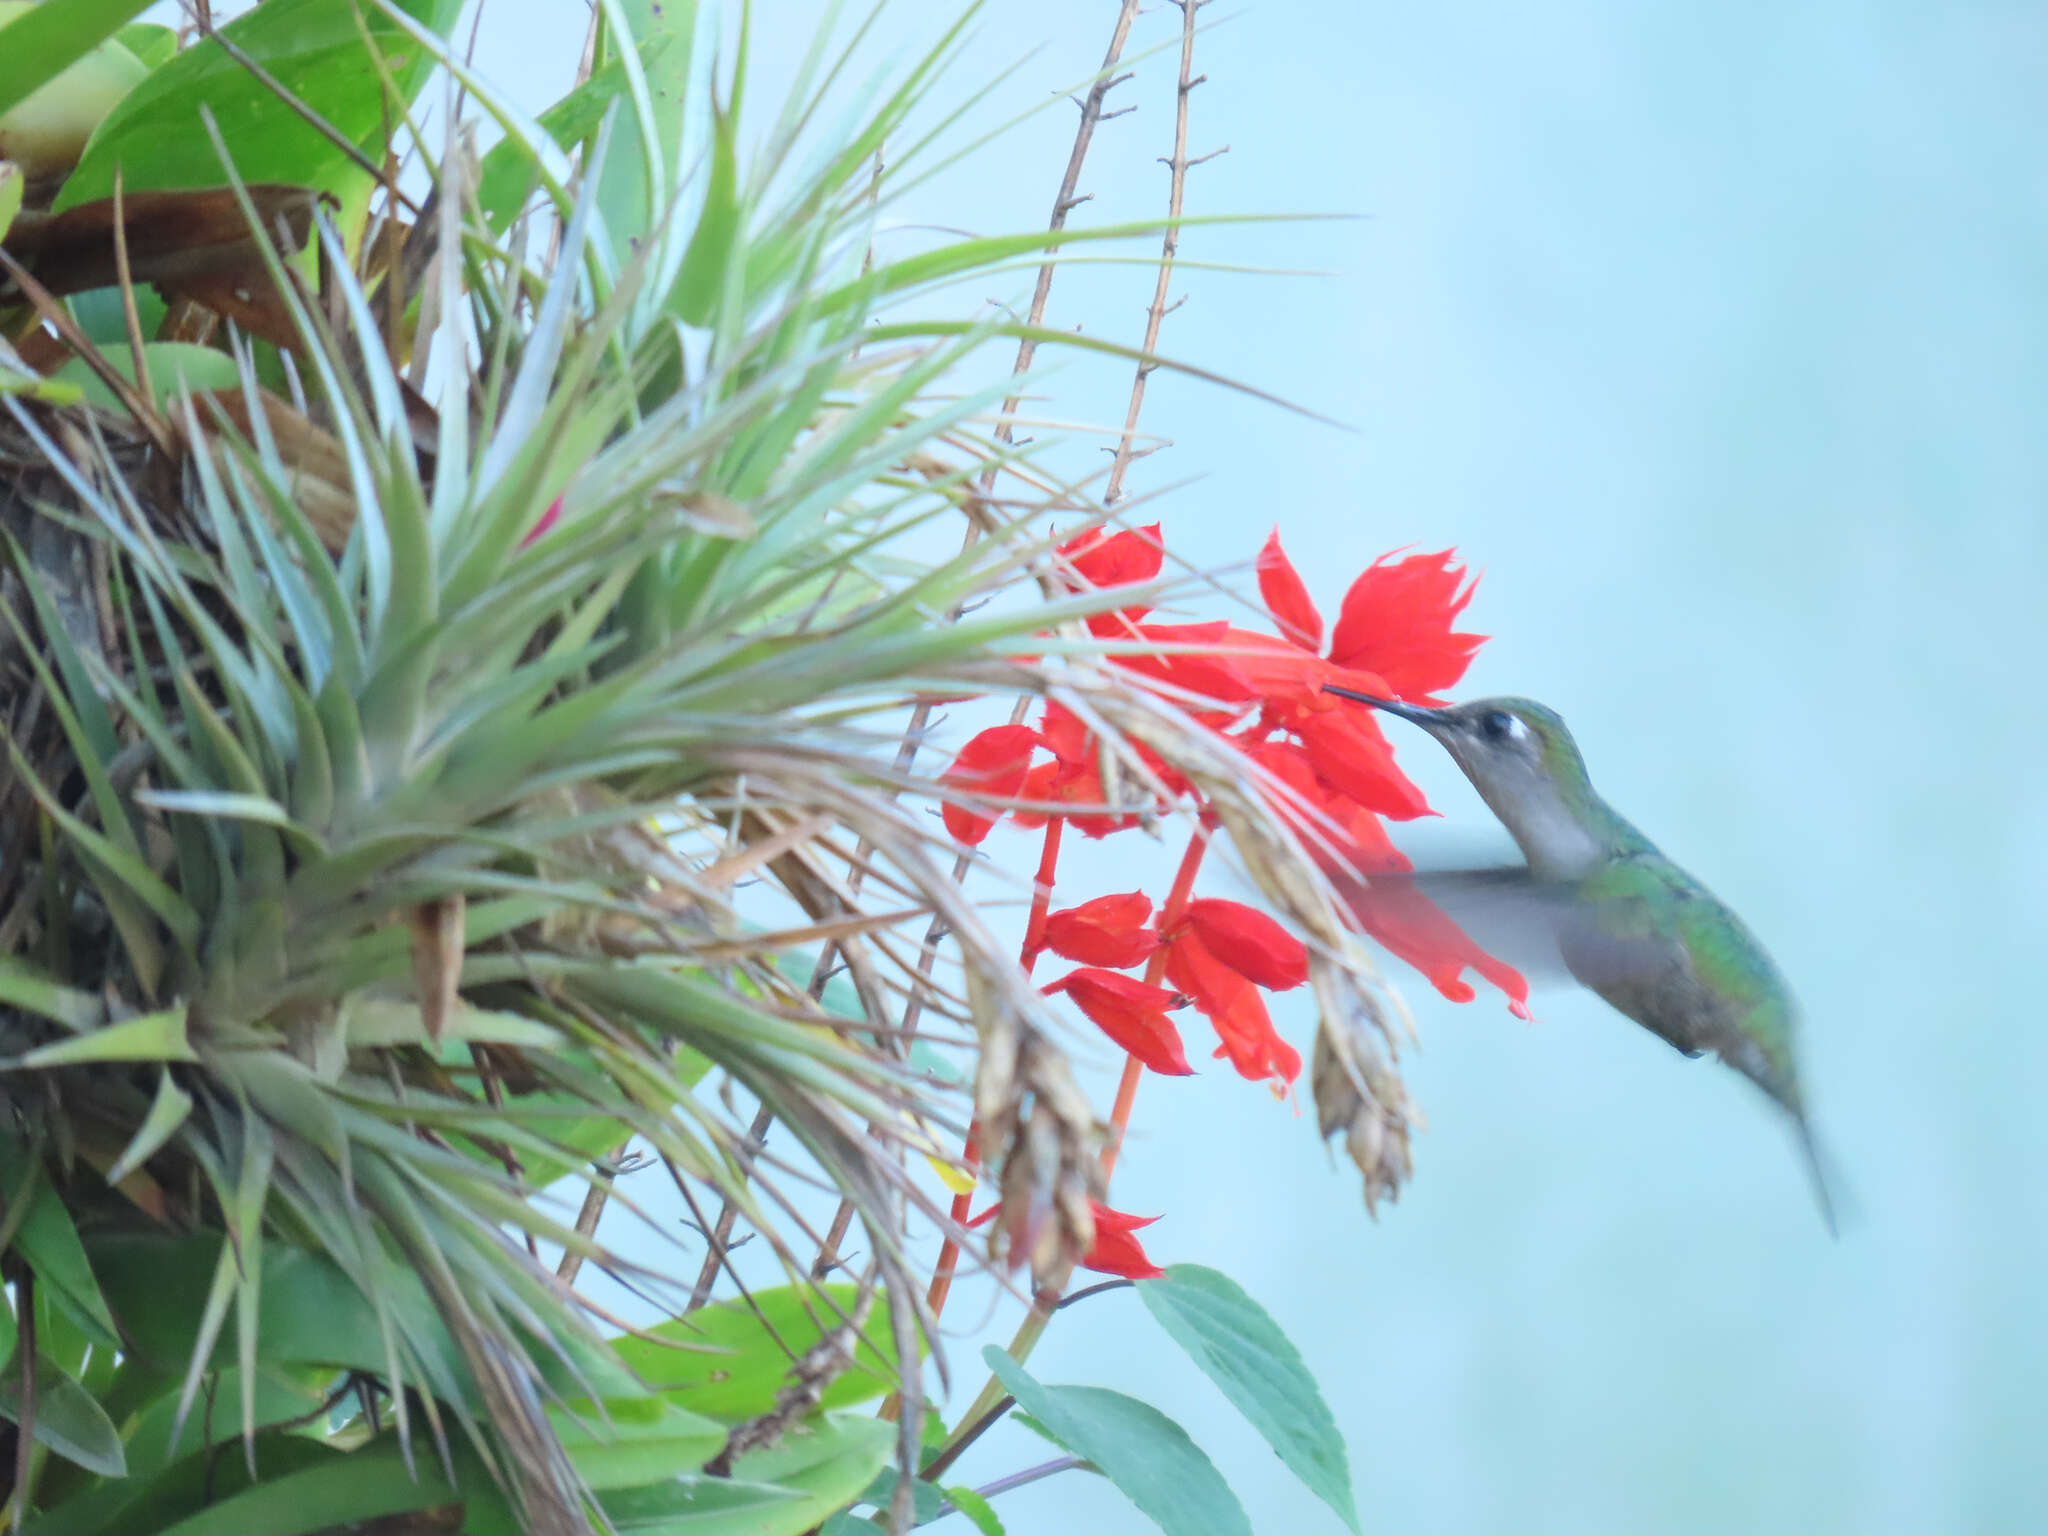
(1627, 922)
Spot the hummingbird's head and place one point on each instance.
(1525, 765)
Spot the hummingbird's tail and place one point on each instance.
(1817, 1168)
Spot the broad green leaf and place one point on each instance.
(170, 365)
(312, 48)
(345, 1488)
(47, 40)
(48, 1243)
(979, 1512)
(279, 1395)
(507, 174)
(926, 1502)
(695, 1506)
(17, 378)
(147, 1505)
(150, 1037)
(1241, 1349)
(734, 1361)
(844, 1524)
(639, 173)
(828, 1460)
(816, 1470)
(635, 1441)
(68, 1420)
(1138, 1448)
(100, 316)
(311, 1313)
(149, 42)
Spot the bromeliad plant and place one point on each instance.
(456, 648)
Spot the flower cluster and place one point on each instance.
(1329, 772)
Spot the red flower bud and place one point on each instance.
(1250, 943)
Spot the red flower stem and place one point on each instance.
(1041, 895)
(1155, 970)
(970, 1154)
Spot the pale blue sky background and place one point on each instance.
(1717, 336)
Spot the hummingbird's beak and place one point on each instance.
(1428, 719)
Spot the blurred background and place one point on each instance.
(1716, 337)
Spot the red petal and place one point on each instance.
(1351, 755)
(1065, 736)
(1249, 942)
(994, 763)
(1286, 598)
(1186, 667)
(1279, 673)
(1396, 621)
(1117, 1252)
(1130, 1013)
(1104, 559)
(1110, 930)
(1233, 1005)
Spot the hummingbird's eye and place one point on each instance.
(1499, 725)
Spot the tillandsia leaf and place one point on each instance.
(629, 615)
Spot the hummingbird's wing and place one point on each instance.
(1506, 911)
(1559, 933)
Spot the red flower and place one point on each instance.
(1287, 598)
(1396, 621)
(1110, 930)
(1075, 778)
(1191, 665)
(993, 764)
(1343, 741)
(1347, 749)
(1249, 942)
(1125, 558)
(1115, 1251)
(1233, 1005)
(1130, 1013)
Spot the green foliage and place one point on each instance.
(730, 1359)
(1148, 1456)
(43, 42)
(1258, 1368)
(314, 50)
(375, 877)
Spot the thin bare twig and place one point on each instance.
(1127, 450)
(721, 1233)
(988, 1404)
(593, 1207)
(1064, 202)
(1106, 80)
